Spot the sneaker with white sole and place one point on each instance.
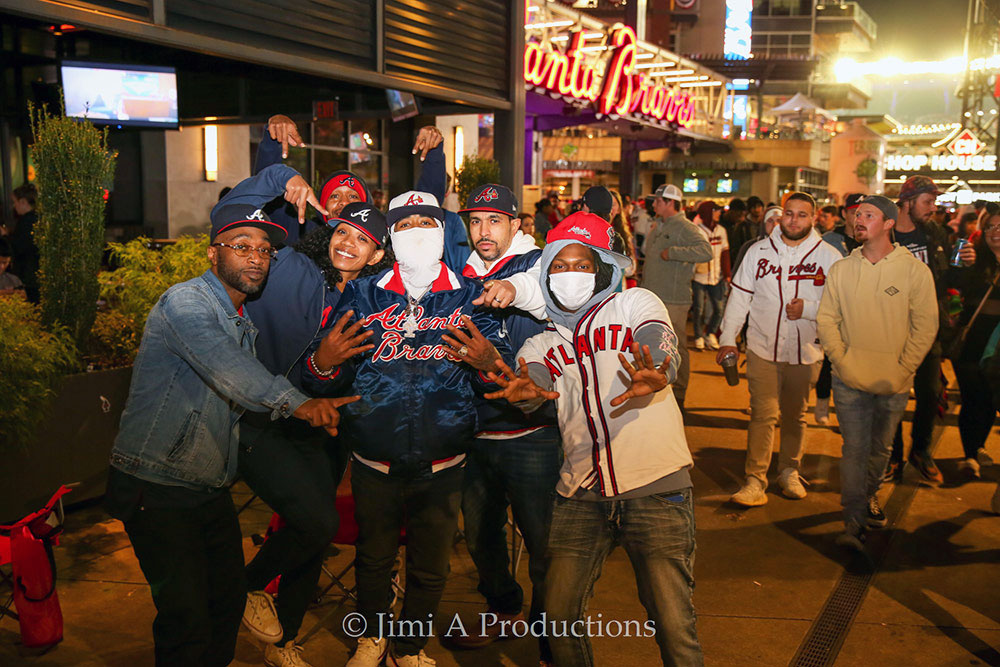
(713, 342)
(970, 468)
(983, 458)
(289, 655)
(792, 484)
(751, 494)
(369, 653)
(261, 618)
(876, 517)
(821, 413)
(699, 343)
(418, 660)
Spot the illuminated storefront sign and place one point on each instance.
(900, 162)
(736, 43)
(963, 197)
(966, 143)
(621, 91)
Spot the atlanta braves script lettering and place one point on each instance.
(810, 271)
(603, 338)
(392, 320)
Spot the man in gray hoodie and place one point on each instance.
(672, 249)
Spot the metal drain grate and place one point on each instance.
(826, 636)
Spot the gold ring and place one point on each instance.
(464, 350)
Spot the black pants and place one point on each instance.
(428, 509)
(927, 388)
(978, 413)
(193, 561)
(824, 383)
(289, 465)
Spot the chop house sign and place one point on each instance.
(620, 91)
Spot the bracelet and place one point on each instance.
(315, 369)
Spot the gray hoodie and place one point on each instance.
(670, 279)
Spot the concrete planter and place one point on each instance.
(73, 446)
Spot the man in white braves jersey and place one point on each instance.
(779, 284)
(625, 475)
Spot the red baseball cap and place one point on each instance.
(589, 230)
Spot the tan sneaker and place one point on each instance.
(289, 655)
(751, 494)
(261, 618)
(792, 484)
(369, 653)
(418, 660)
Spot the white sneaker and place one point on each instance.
(983, 457)
(995, 503)
(822, 411)
(260, 617)
(970, 467)
(418, 660)
(370, 652)
(699, 343)
(289, 655)
(713, 342)
(792, 484)
(751, 494)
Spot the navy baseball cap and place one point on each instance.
(853, 200)
(598, 199)
(246, 215)
(365, 218)
(492, 198)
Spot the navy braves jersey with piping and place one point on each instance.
(417, 406)
(498, 417)
(611, 450)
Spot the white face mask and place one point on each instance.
(418, 251)
(572, 288)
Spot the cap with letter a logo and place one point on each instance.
(589, 230)
(414, 202)
(365, 218)
(246, 215)
(492, 198)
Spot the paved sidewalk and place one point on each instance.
(763, 575)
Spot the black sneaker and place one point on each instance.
(928, 470)
(893, 472)
(876, 517)
(852, 540)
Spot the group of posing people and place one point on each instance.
(449, 378)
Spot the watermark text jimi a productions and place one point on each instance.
(386, 625)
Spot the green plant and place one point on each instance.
(143, 275)
(74, 166)
(475, 171)
(32, 360)
(113, 342)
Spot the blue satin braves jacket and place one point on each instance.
(417, 406)
(498, 417)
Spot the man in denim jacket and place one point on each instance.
(175, 454)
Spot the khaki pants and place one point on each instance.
(678, 320)
(776, 387)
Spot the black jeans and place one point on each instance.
(824, 383)
(289, 465)
(428, 509)
(193, 561)
(978, 413)
(927, 389)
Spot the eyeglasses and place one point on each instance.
(245, 250)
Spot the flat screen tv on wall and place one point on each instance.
(115, 94)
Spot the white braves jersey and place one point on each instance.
(611, 450)
(771, 274)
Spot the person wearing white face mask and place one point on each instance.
(417, 414)
(625, 477)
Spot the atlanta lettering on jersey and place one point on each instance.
(611, 338)
(390, 347)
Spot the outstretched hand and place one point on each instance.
(342, 343)
(299, 193)
(496, 294)
(517, 387)
(472, 348)
(644, 378)
(323, 412)
(428, 138)
(283, 129)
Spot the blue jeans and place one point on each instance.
(867, 424)
(522, 473)
(707, 297)
(657, 533)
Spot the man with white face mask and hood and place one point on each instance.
(607, 359)
(416, 415)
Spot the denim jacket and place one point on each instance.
(194, 376)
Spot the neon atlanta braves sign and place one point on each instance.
(621, 91)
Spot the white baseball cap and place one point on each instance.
(669, 191)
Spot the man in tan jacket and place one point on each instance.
(877, 319)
